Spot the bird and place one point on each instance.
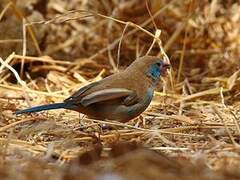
(120, 97)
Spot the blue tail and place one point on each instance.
(45, 107)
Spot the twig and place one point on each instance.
(19, 14)
(5, 10)
(120, 43)
(163, 131)
(114, 43)
(24, 47)
(33, 91)
(226, 127)
(4, 63)
(202, 93)
(157, 35)
(4, 128)
(44, 59)
(169, 148)
(235, 121)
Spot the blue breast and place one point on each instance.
(149, 95)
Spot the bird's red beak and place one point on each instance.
(166, 65)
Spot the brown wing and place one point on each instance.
(131, 99)
(104, 95)
(80, 92)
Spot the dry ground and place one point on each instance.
(50, 48)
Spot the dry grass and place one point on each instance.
(51, 49)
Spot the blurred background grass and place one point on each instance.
(62, 45)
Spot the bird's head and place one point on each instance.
(152, 66)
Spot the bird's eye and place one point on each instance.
(158, 64)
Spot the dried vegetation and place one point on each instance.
(49, 49)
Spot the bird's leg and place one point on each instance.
(81, 118)
(137, 121)
(142, 121)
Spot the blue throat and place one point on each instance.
(154, 72)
